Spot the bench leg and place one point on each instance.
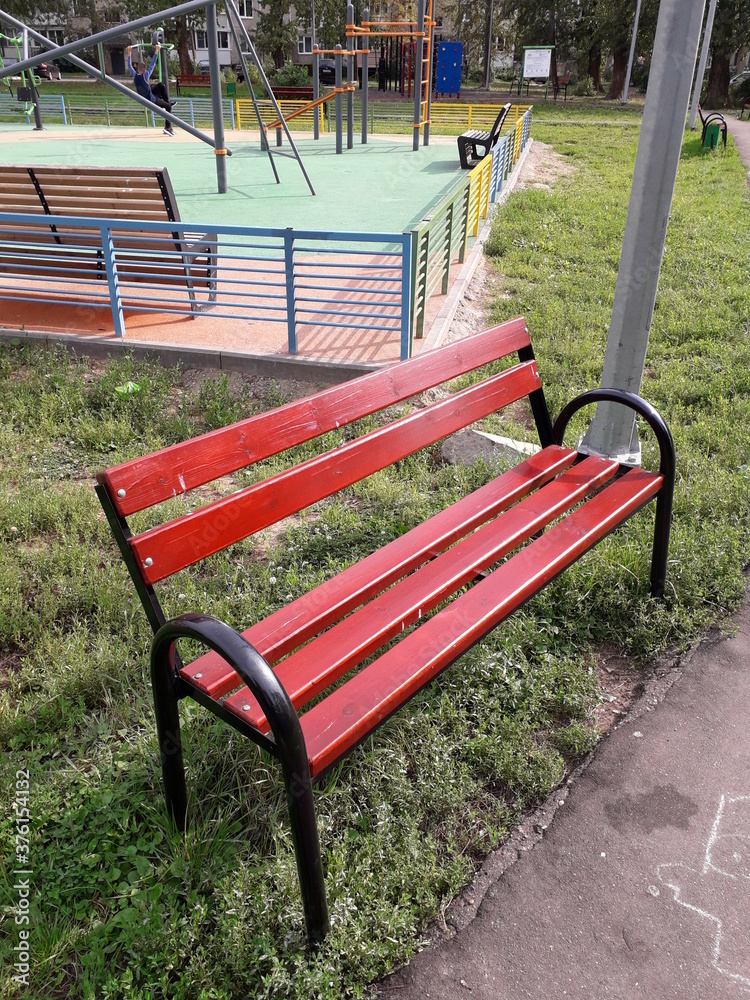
(299, 798)
(170, 744)
(662, 522)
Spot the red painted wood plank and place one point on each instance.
(172, 471)
(353, 710)
(305, 617)
(170, 547)
(320, 663)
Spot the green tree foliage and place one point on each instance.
(731, 29)
(276, 33)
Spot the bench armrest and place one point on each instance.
(246, 660)
(649, 413)
(667, 465)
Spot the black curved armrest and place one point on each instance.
(667, 467)
(649, 413)
(244, 658)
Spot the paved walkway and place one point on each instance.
(740, 132)
(641, 885)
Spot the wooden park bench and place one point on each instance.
(562, 83)
(293, 93)
(263, 681)
(192, 80)
(471, 142)
(37, 253)
(716, 119)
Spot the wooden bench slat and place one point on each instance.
(348, 714)
(323, 661)
(181, 467)
(290, 626)
(184, 541)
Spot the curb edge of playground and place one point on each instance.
(265, 365)
(442, 322)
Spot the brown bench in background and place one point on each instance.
(192, 80)
(39, 256)
(292, 93)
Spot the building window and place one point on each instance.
(223, 39)
(246, 8)
(56, 35)
(201, 39)
(304, 45)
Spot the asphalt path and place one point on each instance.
(640, 887)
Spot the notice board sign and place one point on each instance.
(536, 62)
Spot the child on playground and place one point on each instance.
(156, 93)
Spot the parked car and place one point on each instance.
(203, 68)
(48, 71)
(327, 71)
(740, 78)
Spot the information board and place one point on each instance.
(536, 62)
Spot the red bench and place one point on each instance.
(192, 80)
(292, 93)
(315, 640)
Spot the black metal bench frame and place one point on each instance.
(469, 142)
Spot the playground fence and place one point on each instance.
(385, 117)
(308, 280)
(305, 279)
(442, 238)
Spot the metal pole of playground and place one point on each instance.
(613, 431)
(428, 88)
(52, 49)
(418, 74)
(38, 126)
(216, 102)
(316, 93)
(624, 99)
(338, 85)
(350, 74)
(365, 75)
(702, 65)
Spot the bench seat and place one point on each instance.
(317, 676)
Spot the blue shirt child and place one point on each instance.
(141, 79)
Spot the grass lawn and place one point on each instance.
(124, 908)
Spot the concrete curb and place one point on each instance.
(442, 322)
(172, 355)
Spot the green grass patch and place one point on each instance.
(121, 906)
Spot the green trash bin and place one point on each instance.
(231, 89)
(712, 137)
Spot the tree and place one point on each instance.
(615, 21)
(731, 29)
(276, 34)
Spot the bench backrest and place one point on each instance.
(301, 93)
(112, 192)
(159, 552)
(496, 128)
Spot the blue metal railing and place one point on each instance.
(305, 279)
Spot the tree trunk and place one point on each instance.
(717, 92)
(183, 46)
(619, 71)
(595, 65)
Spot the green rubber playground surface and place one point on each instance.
(384, 186)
